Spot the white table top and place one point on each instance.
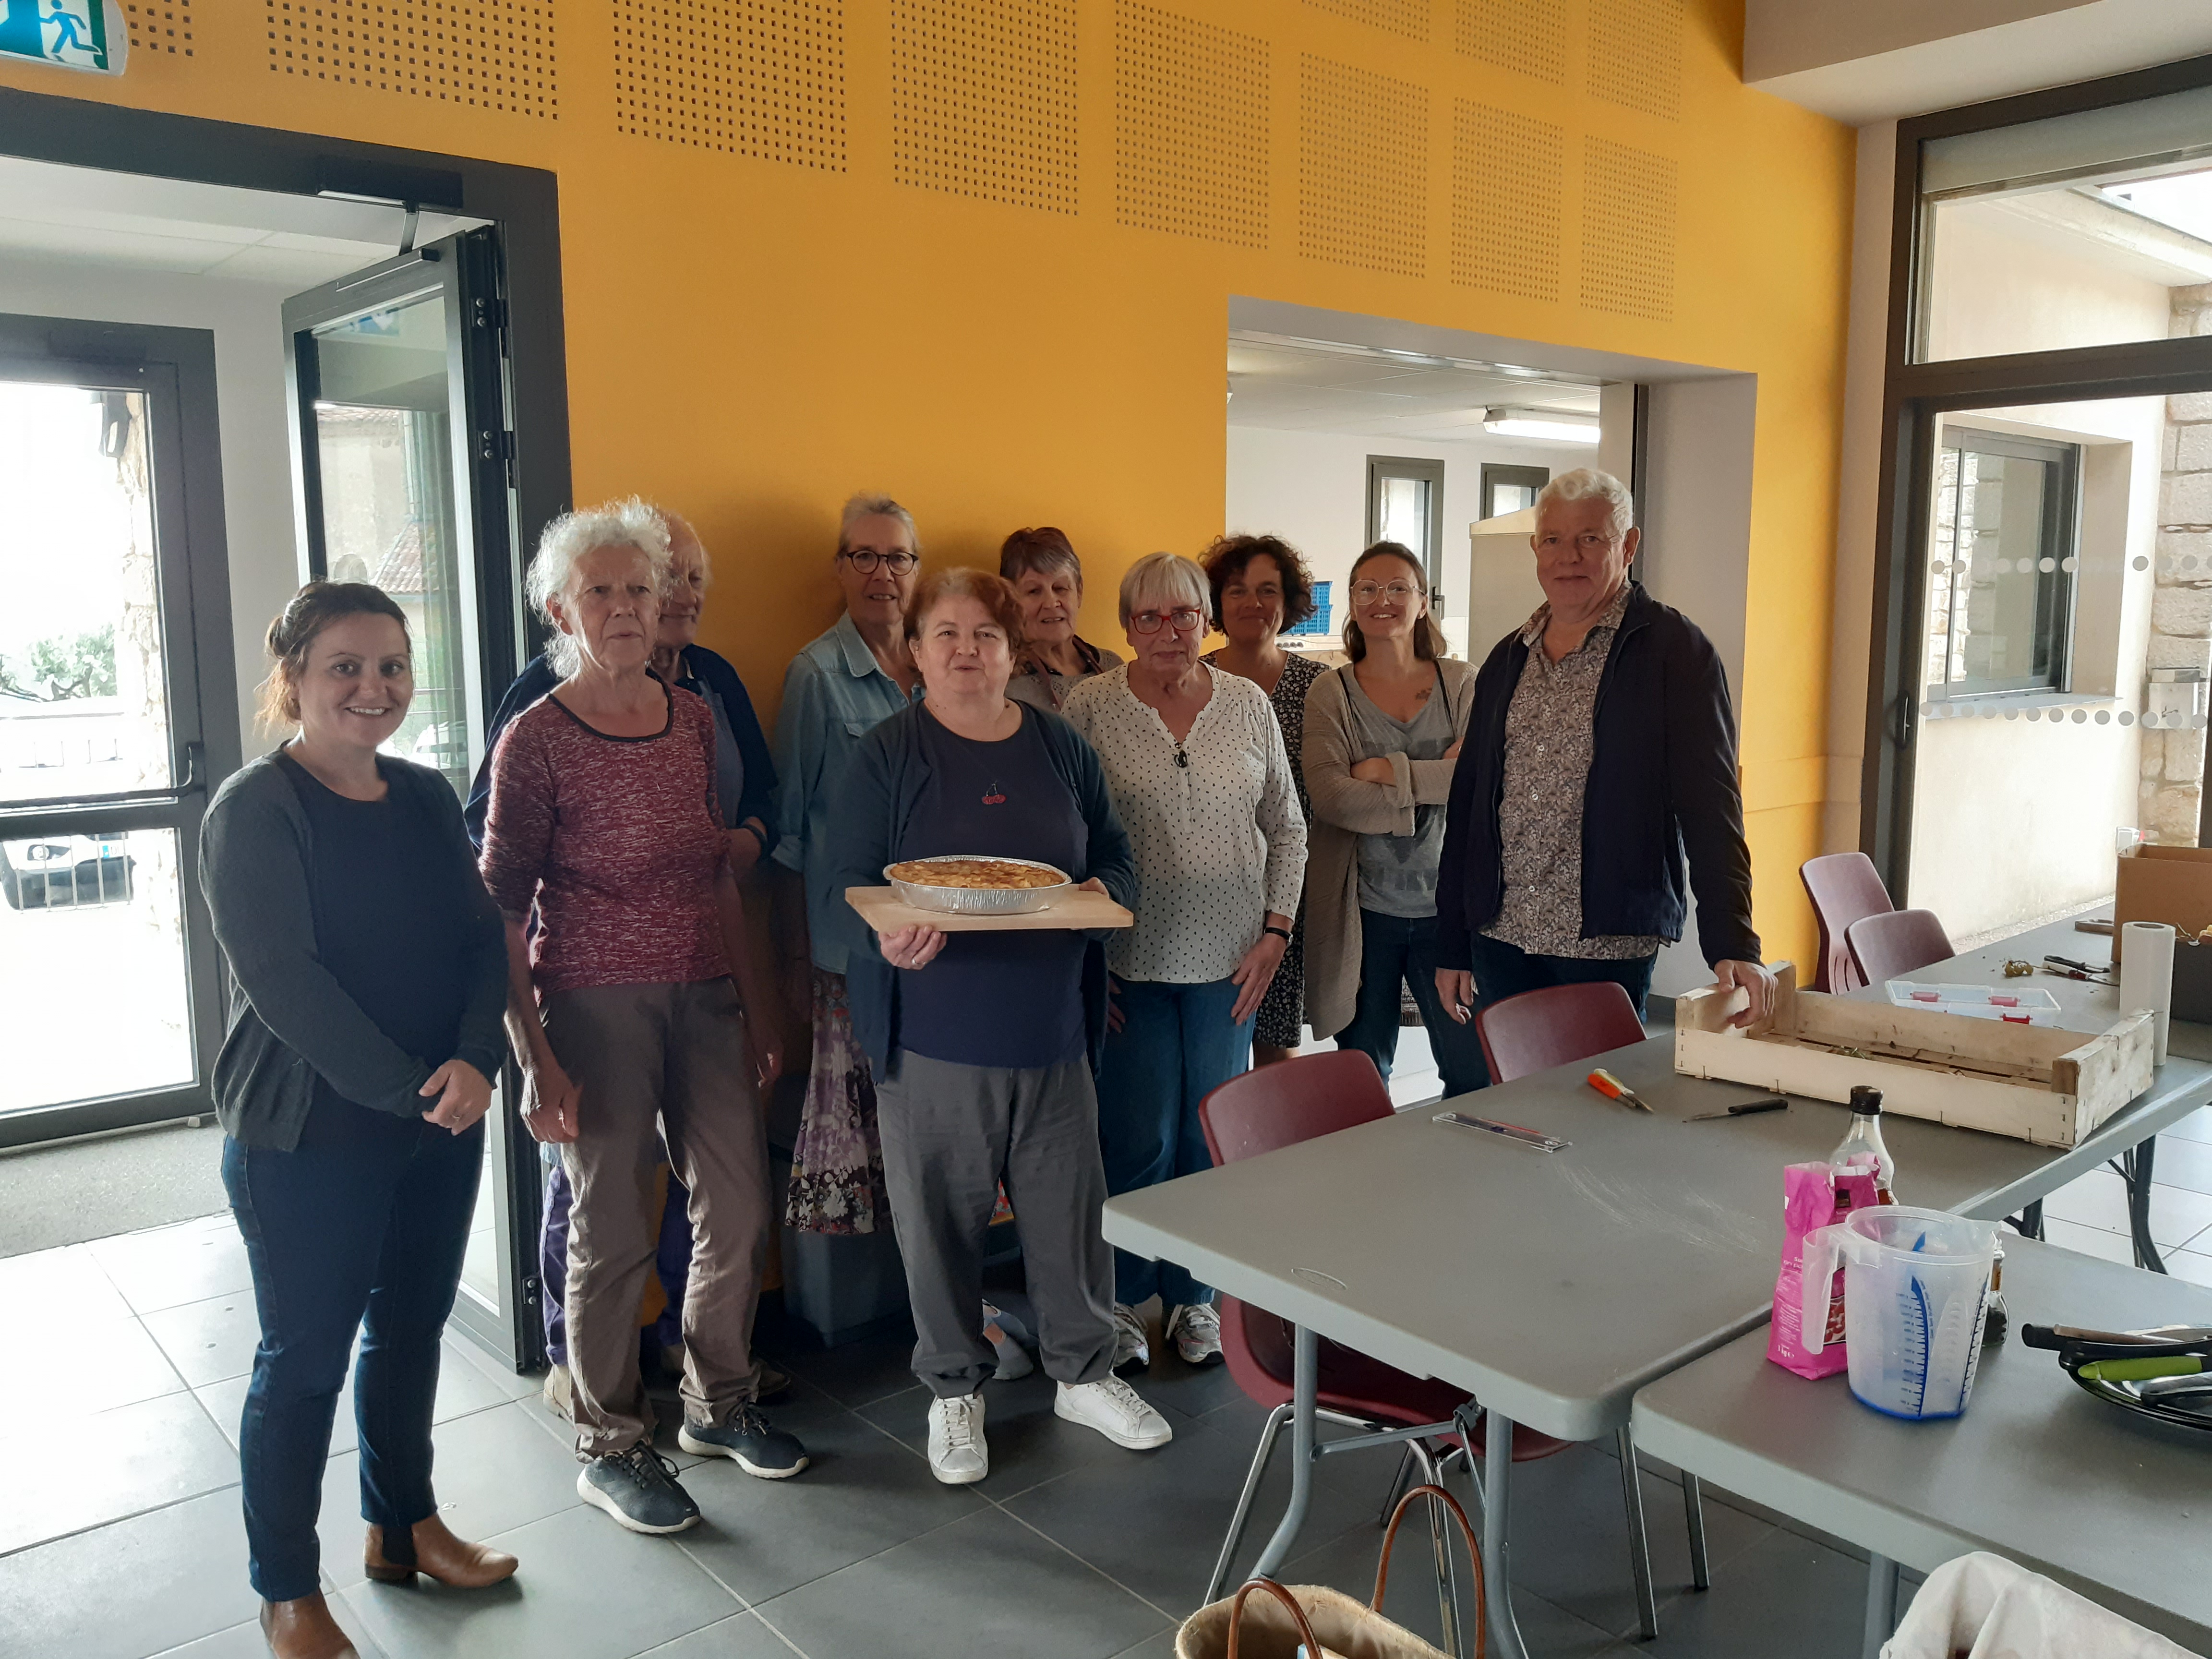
(2110, 1504)
(1554, 1285)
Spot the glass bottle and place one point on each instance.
(1863, 1145)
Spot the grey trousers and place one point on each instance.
(651, 1061)
(951, 1134)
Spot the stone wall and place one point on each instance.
(2181, 604)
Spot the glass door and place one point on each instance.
(110, 998)
(1406, 505)
(402, 455)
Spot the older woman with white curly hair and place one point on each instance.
(604, 818)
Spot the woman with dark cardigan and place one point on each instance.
(369, 977)
(983, 1044)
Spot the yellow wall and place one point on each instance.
(751, 340)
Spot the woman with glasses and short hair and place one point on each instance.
(1202, 783)
(838, 687)
(1382, 743)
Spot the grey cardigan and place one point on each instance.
(289, 1020)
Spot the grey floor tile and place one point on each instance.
(1162, 1646)
(245, 1641)
(138, 1587)
(209, 1340)
(2188, 1264)
(2183, 1163)
(856, 1372)
(2198, 1126)
(510, 1383)
(2099, 1198)
(2088, 1241)
(744, 1636)
(495, 1472)
(864, 1493)
(1784, 1595)
(114, 1362)
(984, 1588)
(118, 1463)
(164, 1266)
(61, 1287)
(587, 1590)
(1183, 1390)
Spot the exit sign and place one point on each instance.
(78, 35)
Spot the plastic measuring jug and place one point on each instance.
(1916, 1289)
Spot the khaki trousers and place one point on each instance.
(655, 1063)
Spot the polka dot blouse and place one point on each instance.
(1219, 840)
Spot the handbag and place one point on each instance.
(1312, 1621)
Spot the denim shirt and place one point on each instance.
(834, 693)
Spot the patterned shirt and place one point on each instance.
(1289, 700)
(1550, 738)
(1214, 821)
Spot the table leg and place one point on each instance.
(2030, 1219)
(1640, 1547)
(1305, 1380)
(2140, 1163)
(1497, 1581)
(1880, 1606)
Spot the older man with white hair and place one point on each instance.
(1600, 750)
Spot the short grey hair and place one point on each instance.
(868, 504)
(1586, 483)
(630, 522)
(1169, 577)
(670, 518)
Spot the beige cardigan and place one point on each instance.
(1344, 809)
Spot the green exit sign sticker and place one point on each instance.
(78, 35)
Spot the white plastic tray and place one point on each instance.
(2016, 1004)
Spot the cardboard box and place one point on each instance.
(2164, 884)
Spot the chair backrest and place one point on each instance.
(1844, 888)
(1539, 1030)
(1290, 1101)
(1897, 943)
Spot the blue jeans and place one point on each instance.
(1503, 970)
(364, 1237)
(1176, 1044)
(1404, 948)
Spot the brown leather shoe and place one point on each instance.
(438, 1554)
(304, 1630)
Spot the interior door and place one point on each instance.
(403, 455)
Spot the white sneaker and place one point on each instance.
(1133, 1349)
(957, 1455)
(1115, 1410)
(1196, 1330)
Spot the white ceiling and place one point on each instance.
(1311, 387)
(78, 216)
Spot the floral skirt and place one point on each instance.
(1282, 1013)
(837, 1162)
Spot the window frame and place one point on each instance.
(2058, 538)
(1497, 473)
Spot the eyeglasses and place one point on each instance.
(866, 560)
(1184, 619)
(1396, 592)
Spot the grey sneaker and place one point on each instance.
(1132, 1348)
(749, 1441)
(1196, 1330)
(637, 1486)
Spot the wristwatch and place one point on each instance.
(1283, 934)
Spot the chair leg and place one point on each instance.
(1274, 1426)
(1639, 1548)
(1693, 1508)
(1448, 1611)
(1397, 1487)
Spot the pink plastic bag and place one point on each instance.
(1812, 1195)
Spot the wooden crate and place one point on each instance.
(2034, 1082)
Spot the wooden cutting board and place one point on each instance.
(880, 907)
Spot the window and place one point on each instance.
(1510, 489)
(2003, 557)
(1406, 505)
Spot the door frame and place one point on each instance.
(1914, 396)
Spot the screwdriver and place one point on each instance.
(1777, 1104)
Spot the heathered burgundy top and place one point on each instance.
(616, 839)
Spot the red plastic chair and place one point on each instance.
(1538, 1029)
(1899, 942)
(1279, 1106)
(1844, 888)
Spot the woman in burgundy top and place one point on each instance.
(621, 1006)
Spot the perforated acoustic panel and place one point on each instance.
(165, 29)
(1190, 127)
(1363, 168)
(1506, 168)
(1636, 54)
(1528, 35)
(1407, 17)
(487, 54)
(983, 100)
(763, 78)
(1628, 230)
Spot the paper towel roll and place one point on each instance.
(2146, 974)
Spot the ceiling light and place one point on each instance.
(1560, 426)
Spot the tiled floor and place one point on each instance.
(123, 1364)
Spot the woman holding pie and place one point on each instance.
(983, 1042)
